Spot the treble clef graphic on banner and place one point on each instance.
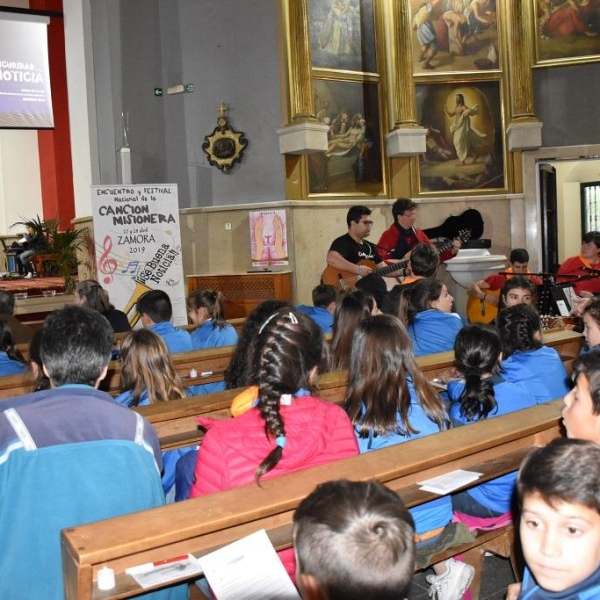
(107, 265)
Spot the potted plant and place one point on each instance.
(62, 245)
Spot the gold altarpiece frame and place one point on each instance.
(370, 89)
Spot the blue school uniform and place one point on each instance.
(436, 513)
(208, 335)
(434, 331)
(541, 371)
(8, 366)
(588, 589)
(321, 316)
(496, 494)
(170, 457)
(177, 340)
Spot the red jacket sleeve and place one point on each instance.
(386, 243)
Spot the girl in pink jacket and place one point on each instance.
(288, 429)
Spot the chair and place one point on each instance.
(11, 257)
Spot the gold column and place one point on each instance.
(403, 92)
(519, 16)
(299, 62)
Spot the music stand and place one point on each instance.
(11, 257)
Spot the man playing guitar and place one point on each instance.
(402, 236)
(348, 253)
(484, 296)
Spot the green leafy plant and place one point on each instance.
(63, 244)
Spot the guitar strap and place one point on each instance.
(407, 239)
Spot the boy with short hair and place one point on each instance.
(156, 311)
(559, 492)
(324, 298)
(581, 414)
(353, 541)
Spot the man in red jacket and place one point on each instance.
(401, 237)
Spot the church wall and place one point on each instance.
(566, 101)
(213, 45)
(229, 51)
(312, 225)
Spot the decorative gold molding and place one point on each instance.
(403, 91)
(519, 17)
(224, 146)
(299, 61)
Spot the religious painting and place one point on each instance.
(454, 36)
(342, 35)
(465, 147)
(352, 163)
(567, 31)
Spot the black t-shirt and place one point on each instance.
(353, 252)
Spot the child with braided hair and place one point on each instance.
(289, 429)
(483, 393)
(525, 358)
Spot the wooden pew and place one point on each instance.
(215, 360)
(493, 447)
(238, 323)
(176, 425)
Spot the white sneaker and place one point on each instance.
(452, 584)
(29, 276)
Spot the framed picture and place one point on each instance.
(342, 34)
(567, 31)
(352, 163)
(464, 140)
(454, 36)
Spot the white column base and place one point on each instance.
(524, 136)
(303, 138)
(405, 142)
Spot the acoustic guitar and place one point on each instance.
(342, 279)
(480, 310)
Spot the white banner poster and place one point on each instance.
(138, 245)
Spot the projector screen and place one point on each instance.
(25, 96)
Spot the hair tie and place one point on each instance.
(280, 441)
(266, 323)
(291, 316)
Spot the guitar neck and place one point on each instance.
(383, 271)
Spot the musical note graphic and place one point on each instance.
(106, 264)
(132, 267)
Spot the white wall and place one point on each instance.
(569, 174)
(20, 187)
(20, 182)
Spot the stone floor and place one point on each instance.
(497, 575)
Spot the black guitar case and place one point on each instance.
(470, 219)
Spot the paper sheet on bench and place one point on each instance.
(444, 484)
(151, 574)
(248, 569)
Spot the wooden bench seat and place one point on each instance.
(493, 447)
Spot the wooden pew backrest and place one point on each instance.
(175, 422)
(201, 525)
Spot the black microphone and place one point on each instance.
(388, 250)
